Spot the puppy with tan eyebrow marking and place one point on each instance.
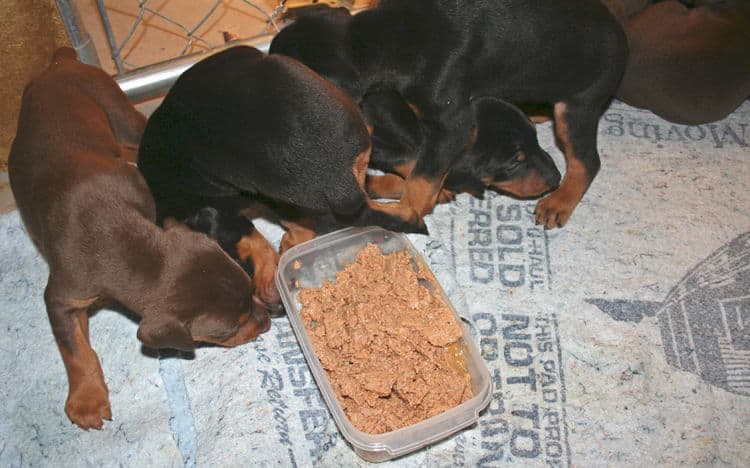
(441, 54)
(242, 131)
(504, 154)
(92, 217)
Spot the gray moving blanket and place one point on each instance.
(622, 339)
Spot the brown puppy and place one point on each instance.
(689, 65)
(91, 216)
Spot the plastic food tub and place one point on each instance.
(308, 265)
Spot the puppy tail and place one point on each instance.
(64, 53)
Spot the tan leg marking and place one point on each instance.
(385, 186)
(88, 396)
(393, 185)
(420, 194)
(265, 260)
(555, 209)
(397, 209)
(359, 169)
(296, 234)
(404, 170)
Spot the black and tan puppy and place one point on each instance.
(504, 154)
(440, 54)
(92, 217)
(689, 61)
(242, 129)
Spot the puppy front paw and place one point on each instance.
(265, 284)
(88, 406)
(555, 209)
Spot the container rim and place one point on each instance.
(392, 442)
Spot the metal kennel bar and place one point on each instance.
(190, 32)
(79, 37)
(152, 80)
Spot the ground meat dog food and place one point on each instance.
(391, 348)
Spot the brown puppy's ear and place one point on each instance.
(160, 333)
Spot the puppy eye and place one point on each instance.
(517, 161)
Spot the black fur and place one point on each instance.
(241, 128)
(503, 133)
(441, 54)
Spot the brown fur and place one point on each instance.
(91, 216)
(689, 65)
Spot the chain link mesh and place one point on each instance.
(180, 27)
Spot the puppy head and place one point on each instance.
(319, 40)
(506, 155)
(208, 297)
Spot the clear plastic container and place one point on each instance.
(308, 265)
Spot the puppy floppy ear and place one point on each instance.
(162, 332)
(495, 118)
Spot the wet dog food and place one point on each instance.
(390, 346)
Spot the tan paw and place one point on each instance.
(554, 210)
(88, 406)
(265, 283)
